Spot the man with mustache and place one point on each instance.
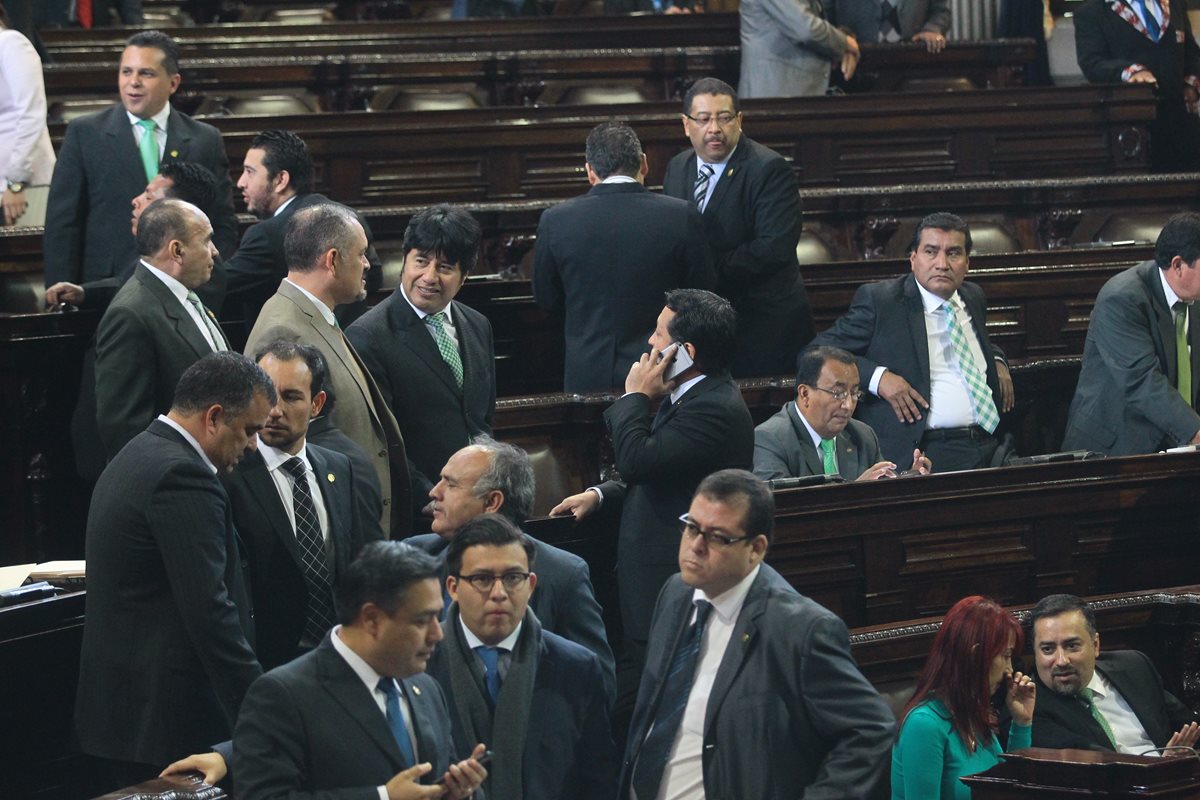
(815, 435)
(1099, 701)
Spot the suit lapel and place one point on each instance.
(916, 325)
(266, 494)
(741, 642)
(416, 337)
(179, 138)
(182, 321)
(336, 545)
(706, 385)
(808, 452)
(732, 173)
(123, 147)
(343, 684)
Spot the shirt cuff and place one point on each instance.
(1127, 73)
(382, 792)
(876, 376)
(599, 494)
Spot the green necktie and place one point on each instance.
(1183, 357)
(827, 457)
(445, 345)
(214, 330)
(976, 381)
(149, 148)
(1088, 696)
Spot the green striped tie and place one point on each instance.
(1088, 696)
(828, 461)
(976, 381)
(445, 345)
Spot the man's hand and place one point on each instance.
(850, 57)
(1020, 697)
(210, 765)
(64, 292)
(884, 469)
(1143, 76)
(921, 462)
(1185, 736)
(14, 206)
(1008, 397)
(404, 786)
(579, 505)
(646, 374)
(463, 778)
(906, 401)
(934, 42)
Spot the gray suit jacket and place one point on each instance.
(788, 48)
(98, 174)
(789, 714)
(861, 17)
(1125, 401)
(360, 412)
(783, 448)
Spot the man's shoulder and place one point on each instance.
(473, 317)
(330, 459)
(96, 120)
(860, 431)
(556, 557)
(427, 542)
(779, 423)
(755, 154)
(571, 657)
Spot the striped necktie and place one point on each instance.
(1089, 696)
(700, 193)
(210, 323)
(319, 614)
(445, 345)
(981, 396)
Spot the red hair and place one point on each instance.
(972, 634)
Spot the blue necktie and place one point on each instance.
(647, 773)
(1151, 23)
(491, 674)
(396, 720)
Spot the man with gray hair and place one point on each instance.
(604, 260)
(490, 476)
(326, 254)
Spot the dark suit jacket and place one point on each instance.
(661, 462)
(99, 172)
(436, 417)
(885, 326)
(311, 729)
(783, 448)
(605, 260)
(569, 750)
(789, 714)
(366, 483)
(99, 294)
(276, 565)
(563, 601)
(861, 17)
(255, 271)
(1061, 722)
(753, 222)
(361, 412)
(145, 342)
(167, 642)
(1125, 400)
(1106, 45)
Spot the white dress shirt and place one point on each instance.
(160, 129)
(506, 646)
(181, 292)
(718, 168)
(274, 459)
(1126, 727)
(447, 321)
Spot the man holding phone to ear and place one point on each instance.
(701, 426)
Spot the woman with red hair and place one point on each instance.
(948, 728)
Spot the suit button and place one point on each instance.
(383, 453)
(387, 501)
(252, 614)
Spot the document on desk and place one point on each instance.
(14, 576)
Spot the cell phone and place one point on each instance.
(484, 760)
(682, 359)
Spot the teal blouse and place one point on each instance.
(930, 756)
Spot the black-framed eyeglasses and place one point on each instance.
(691, 530)
(484, 581)
(723, 119)
(842, 395)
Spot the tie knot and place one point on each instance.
(1180, 307)
(703, 609)
(193, 297)
(146, 124)
(388, 687)
(1088, 695)
(295, 467)
(827, 445)
(707, 170)
(437, 320)
(490, 657)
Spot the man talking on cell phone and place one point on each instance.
(701, 426)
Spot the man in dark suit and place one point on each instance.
(326, 250)
(815, 433)
(923, 21)
(357, 713)
(609, 302)
(537, 697)
(750, 202)
(715, 713)
(1141, 361)
(701, 426)
(495, 477)
(167, 644)
(1148, 41)
(936, 381)
(156, 326)
(298, 537)
(276, 182)
(1098, 701)
(102, 166)
(432, 357)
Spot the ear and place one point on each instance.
(1096, 642)
(532, 582)
(690, 349)
(684, 119)
(493, 501)
(329, 262)
(644, 169)
(175, 81)
(318, 403)
(214, 417)
(452, 587)
(758, 547)
(592, 177)
(282, 181)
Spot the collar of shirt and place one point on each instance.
(365, 672)
(177, 288)
(933, 303)
(160, 119)
(421, 315)
(619, 179)
(1172, 298)
(274, 457)
(284, 205)
(816, 437)
(190, 440)
(508, 644)
(728, 604)
(1098, 685)
(325, 310)
(682, 389)
(718, 166)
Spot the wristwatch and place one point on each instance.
(16, 187)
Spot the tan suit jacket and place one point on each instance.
(360, 412)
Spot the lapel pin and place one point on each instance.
(745, 638)
(417, 690)
(731, 169)
(174, 154)
(330, 477)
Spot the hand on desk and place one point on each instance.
(210, 765)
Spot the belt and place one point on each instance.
(973, 433)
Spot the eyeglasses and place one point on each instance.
(841, 395)
(723, 119)
(691, 530)
(484, 581)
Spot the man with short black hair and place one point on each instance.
(107, 158)
(608, 301)
(1141, 360)
(537, 697)
(432, 357)
(167, 644)
(750, 689)
(356, 717)
(1090, 700)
